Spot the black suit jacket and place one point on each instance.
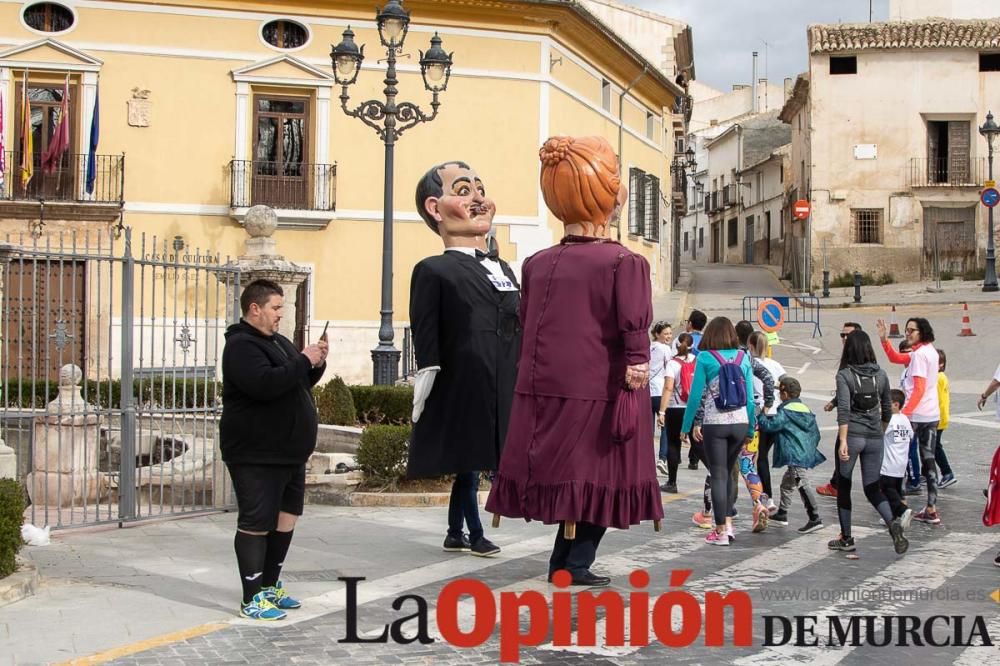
(462, 323)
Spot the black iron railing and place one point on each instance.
(730, 196)
(67, 181)
(409, 355)
(925, 172)
(292, 186)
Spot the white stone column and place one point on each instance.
(242, 120)
(321, 191)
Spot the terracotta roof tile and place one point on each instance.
(931, 33)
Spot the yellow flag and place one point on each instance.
(27, 147)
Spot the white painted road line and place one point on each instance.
(804, 367)
(937, 561)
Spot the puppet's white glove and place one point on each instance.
(423, 382)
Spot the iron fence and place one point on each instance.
(109, 373)
(290, 186)
(67, 181)
(930, 172)
(409, 355)
(799, 309)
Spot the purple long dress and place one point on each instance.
(585, 312)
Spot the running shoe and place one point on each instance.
(692, 465)
(899, 542)
(905, 519)
(913, 490)
(760, 517)
(947, 480)
(929, 517)
(780, 519)
(260, 608)
(717, 538)
(456, 544)
(812, 526)
(729, 533)
(661, 467)
(827, 491)
(772, 508)
(996, 562)
(842, 543)
(702, 521)
(669, 488)
(277, 596)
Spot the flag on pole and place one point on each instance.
(27, 148)
(3, 148)
(95, 133)
(59, 142)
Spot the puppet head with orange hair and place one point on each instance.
(580, 182)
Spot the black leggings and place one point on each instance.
(674, 421)
(764, 445)
(892, 488)
(722, 445)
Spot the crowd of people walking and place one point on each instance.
(716, 389)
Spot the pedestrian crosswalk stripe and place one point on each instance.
(396, 584)
(937, 561)
(747, 575)
(977, 655)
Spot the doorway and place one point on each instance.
(281, 176)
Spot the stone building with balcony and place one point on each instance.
(885, 145)
(208, 107)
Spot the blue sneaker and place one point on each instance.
(260, 608)
(277, 596)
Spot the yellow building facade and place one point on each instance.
(203, 105)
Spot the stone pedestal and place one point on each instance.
(65, 448)
(262, 261)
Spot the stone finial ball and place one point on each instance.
(70, 375)
(260, 221)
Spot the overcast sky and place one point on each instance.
(727, 32)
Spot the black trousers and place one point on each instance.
(576, 555)
(835, 479)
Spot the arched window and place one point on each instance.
(285, 34)
(48, 17)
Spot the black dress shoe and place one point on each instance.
(457, 544)
(590, 580)
(693, 465)
(484, 548)
(669, 487)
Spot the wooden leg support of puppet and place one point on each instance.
(496, 520)
(656, 525)
(569, 531)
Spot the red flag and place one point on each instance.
(59, 143)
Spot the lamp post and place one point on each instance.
(989, 130)
(389, 119)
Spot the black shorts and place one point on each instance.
(262, 491)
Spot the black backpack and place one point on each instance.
(865, 397)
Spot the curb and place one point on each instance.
(19, 585)
(404, 500)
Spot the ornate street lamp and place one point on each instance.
(389, 120)
(989, 130)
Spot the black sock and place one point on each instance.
(277, 548)
(251, 550)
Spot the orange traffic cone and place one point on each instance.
(894, 325)
(966, 324)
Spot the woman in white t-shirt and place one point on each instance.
(659, 354)
(671, 415)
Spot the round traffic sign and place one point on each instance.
(801, 209)
(770, 315)
(990, 197)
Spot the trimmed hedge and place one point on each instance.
(166, 393)
(382, 453)
(383, 404)
(11, 518)
(335, 404)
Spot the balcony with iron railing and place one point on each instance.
(64, 187)
(294, 186)
(964, 172)
(716, 201)
(730, 195)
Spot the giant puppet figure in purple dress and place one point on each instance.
(578, 445)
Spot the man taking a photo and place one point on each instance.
(267, 433)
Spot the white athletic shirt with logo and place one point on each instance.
(898, 434)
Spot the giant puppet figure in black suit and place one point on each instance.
(464, 317)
